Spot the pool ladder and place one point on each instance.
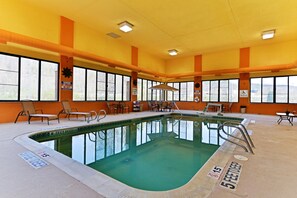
(96, 134)
(249, 145)
(97, 115)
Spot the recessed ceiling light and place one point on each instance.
(268, 34)
(172, 52)
(125, 26)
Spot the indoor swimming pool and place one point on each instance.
(155, 154)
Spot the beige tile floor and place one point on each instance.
(270, 173)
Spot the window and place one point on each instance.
(92, 85)
(49, 79)
(267, 90)
(205, 91)
(149, 91)
(110, 86)
(292, 89)
(119, 88)
(185, 91)
(101, 85)
(233, 90)
(144, 90)
(170, 93)
(126, 88)
(144, 93)
(214, 91)
(154, 96)
(256, 89)
(224, 91)
(280, 89)
(29, 79)
(220, 90)
(23, 78)
(139, 89)
(9, 77)
(190, 91)
(79, 84)
(176, 93)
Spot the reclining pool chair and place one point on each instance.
(30, 111)
(70, 111)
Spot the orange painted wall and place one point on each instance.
(9, 110)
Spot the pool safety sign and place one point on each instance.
(231, 178)
(215, 172)
(33, 160)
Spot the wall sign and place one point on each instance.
(134, 91)
(66, 85)
(244, 93)
(231, 177)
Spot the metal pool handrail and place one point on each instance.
(246, 137)
(96, 115)
(99, 113)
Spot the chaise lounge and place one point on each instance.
(73, 111)
(30, 111)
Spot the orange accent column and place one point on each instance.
(197, 79)
(66, 39)
(244, 62)
(134, 61)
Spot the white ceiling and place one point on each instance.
(190, 26)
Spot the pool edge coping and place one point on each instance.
(110, 187)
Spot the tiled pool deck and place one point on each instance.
(271, 172)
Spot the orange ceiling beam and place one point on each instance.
(6, 37)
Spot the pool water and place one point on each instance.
(155, 154)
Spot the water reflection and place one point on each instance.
(103, 143)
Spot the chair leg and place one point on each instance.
(20, 113)
(29, 118)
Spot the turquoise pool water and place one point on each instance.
(156, 154)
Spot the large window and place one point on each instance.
(23, 78)
(173, 95)
(79, 83)
(92, 85)
(220, 90)
(274, 89)
(101, 85)
(110, 86)
(9, 77)
(144, 93)
(49, 81)
(185, 91)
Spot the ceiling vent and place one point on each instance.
(113, 35)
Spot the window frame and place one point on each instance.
(106, 86)
(219, 90)
(274, 90)
(150, 93)
(18, 98)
